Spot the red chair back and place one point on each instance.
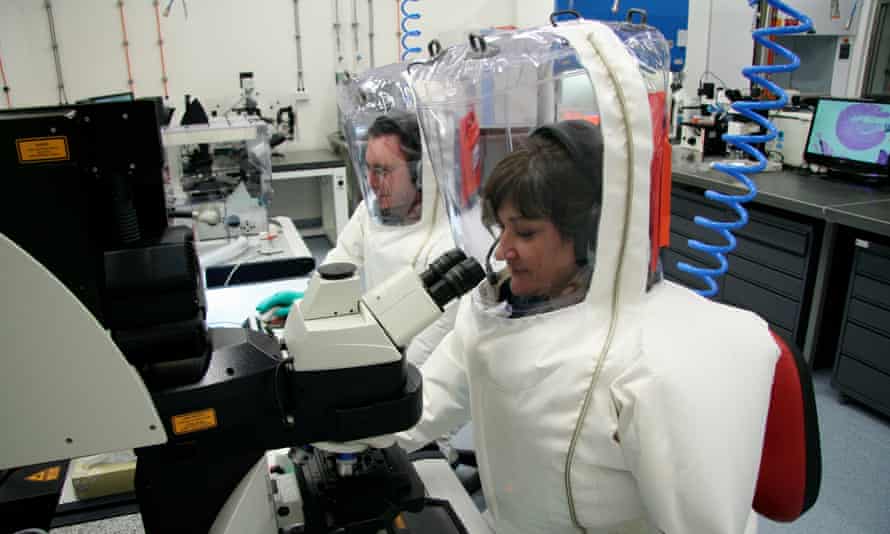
(791, 464)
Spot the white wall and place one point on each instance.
(861, 44)
(221, 38)
(731, 47)
(206, 51)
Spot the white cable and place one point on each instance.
(224, 253)
(235, 268)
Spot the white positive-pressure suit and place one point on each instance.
(380, 251)
(631, 411)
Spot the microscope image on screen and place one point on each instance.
(850, 130)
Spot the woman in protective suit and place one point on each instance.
(601, 402)
(401, 220)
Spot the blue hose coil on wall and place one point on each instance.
(744, 143)
(406, 33)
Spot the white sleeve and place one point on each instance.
(424, 343)
(446, 395)
(693, 436)
(350, 242)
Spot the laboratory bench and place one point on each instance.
(813, 261)
(310, 187)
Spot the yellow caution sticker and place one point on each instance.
(45, 475)
(194, 421)
(42, 149)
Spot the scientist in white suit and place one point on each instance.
(401, 221)
(602, 402)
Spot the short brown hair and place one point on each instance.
(542, 182)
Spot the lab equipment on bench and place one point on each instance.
(127, 361)
(793, 128)
(703, 121)
(220, 175)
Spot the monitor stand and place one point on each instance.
(865, 178)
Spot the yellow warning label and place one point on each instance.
(40, 149)
(194, 421)
(46, 475)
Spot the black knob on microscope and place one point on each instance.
(336, 271)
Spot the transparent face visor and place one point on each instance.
(381, 130)
(477, 108)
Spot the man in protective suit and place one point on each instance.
(401, 221)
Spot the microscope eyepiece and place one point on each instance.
(458, 280)
(440, 266)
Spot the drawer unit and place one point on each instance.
(771, 270)
(871, 291)
(871, 262)
(874, 317)
(697, 258)
(674, 274)
(867, 346)
(776, 309)
(862, 365)
(863, 383)
(779, 232)
(779, 282)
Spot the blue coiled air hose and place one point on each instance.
(745, 143)
(406, 33)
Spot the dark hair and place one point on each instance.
(402, 125)
(543, 182)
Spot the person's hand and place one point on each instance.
(278, 305)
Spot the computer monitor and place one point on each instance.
(850, 137)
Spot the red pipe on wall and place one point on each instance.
(161, 48)
(126, 43)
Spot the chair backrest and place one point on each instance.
(791, 463)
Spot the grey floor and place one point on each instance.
(855, 494)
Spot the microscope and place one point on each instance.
(124, 358)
